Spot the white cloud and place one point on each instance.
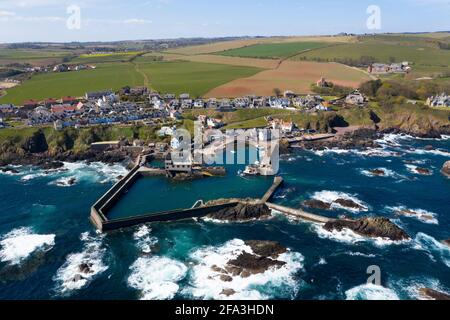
(136, 21)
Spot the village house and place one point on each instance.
(69, 100)
(308, 102)
(279, 103)
(139, 91)
(241, 102)
(98, 95)
(184, 96)
(381, 68)
(289, 94)
(356, 98)
(169, 96)
(442, 100)
(30, 104)
(7, 109)
(199, 104)
(165, 132)
(285, 127)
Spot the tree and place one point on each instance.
(277, 92)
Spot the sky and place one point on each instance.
(113, 20)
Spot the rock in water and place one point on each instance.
(446, 242)
(228, 292)
(253, 264)
(424, 171)
(370, 227)
(347, 203)
(446, 169)
(433, 294)
(266, 248)
(317, 204)
(378, 172)
(243, 211)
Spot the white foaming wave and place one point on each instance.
(419, 214)
(360, 254)
(32, 176)
(429, 244)
(371, 292)
(95, 171)
(69, 277)
(413, 169)
(436, 152)
(348, 236)
(387, 173)
(331, 196)
(65, 182)
(205, 283)
(156, 277)
(411, 286)
(321, 153)
(392, 139)
(19, 244)
(377, 153)
(144, 240)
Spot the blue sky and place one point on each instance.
(106, 20)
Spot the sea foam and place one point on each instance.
(331, 196)
(156, 277)
(370, 292)
(206, 283)
(70, 277)
(19, 244)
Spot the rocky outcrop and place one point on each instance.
(37, 143)
(370, 227)
(263, 257)
(446, 169)
(317, 204)
(266, 248)
(428, 293)
(377, 172)
(446, 242)
(346, 203)
(408, 212)
(360, 139)
(243, 211)
(423, 171)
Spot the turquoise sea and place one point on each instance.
(45, 234)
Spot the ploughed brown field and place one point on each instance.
(290, 75)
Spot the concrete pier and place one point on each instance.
(278, 181)
(298, 213)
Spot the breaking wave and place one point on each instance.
(371, 292)
(19, 244)
(82, 267)
(156, 277)
(205, 279)
(332, 196)
(433, 247)
(419, 214)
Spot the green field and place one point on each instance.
(101, 58)
(36, 57)
(56, 85)
(195, 78)
(273, 50)
(423, 53)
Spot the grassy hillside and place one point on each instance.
(55, 85)
(273, 50)
(195, 78)
(424, 53)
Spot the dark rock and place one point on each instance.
(446, 169)
(85, 268)
(77, 277)
(446, 242)
(424, 171)
(429, 148)
(349, 204)
(226, 278)
(37, 143)
(370, 227)
(433, 294)
(317, 204)
(414, 213)
(254, 264)
(243, 211)
(378, 172)
(266, 248)
(10, 170)
(228, 292)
